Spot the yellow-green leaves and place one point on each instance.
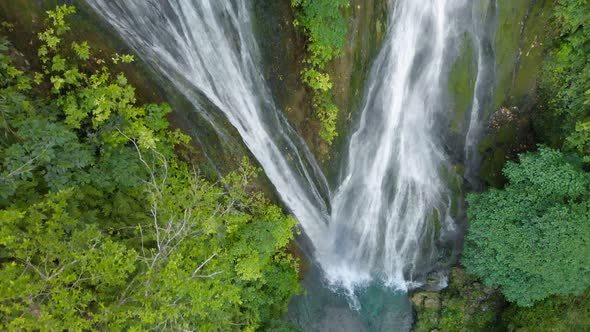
(317, 80)
(102, 225)
(58, 17)
(57, 27)
(326, 29)
(125, 58)
(82, 50)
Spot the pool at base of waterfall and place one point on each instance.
(376, 308)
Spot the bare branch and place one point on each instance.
(202, 265)
(207, 276)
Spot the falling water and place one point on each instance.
(392, 207)
(484, 23)
(206, 48)
(393, 204)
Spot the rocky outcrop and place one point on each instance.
(466, 305)
(519, 47)
(427, 300)
(508, 134)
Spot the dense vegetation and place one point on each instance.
(326, 29)
(531, 238)
(557, 313)
(104, 226)
(563, 121)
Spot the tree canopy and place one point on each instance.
(531, 238)
(102, 225)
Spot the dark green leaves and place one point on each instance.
(566, 79)
(531, 238)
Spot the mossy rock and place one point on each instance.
(509, 133)
(466, 305)
(367, 22)
(462, 79)
(520, 49)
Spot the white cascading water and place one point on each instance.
(384, 214)
(393, 201)
(206, 48)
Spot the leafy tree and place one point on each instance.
(531, 238)
(103, 226)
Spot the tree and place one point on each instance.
(531, 238)
(103, 226)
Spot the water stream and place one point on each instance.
(393, 195)
(207, 50)
(384, 225)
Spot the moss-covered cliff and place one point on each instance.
(367, 21)
(519, 48)
(284, 54)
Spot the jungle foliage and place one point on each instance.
(557, 313)
(104, 226)
(531, 238)
(326, 29)
(565, 85)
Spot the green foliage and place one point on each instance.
(327, 112)
(557, 313)
(531, 238)
(325, 26)
(326, 29)
(58, 267)
(102, 226)
(566, 79)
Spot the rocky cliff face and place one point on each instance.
(520, 49)
(466, 305)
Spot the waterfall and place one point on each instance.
(394, 200)
(392, 206)
(206, 48)
(484, 23)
